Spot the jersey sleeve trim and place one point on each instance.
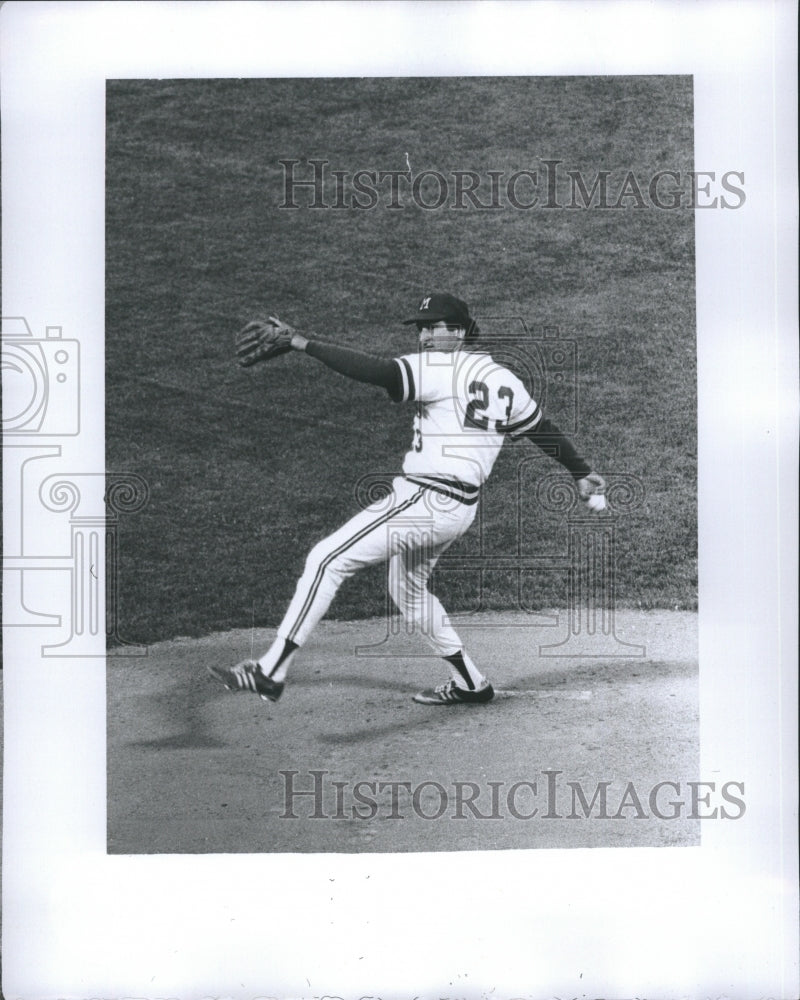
(526, 425)
(407, 388)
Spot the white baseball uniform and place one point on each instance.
(466, 405)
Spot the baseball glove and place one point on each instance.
(262, 340)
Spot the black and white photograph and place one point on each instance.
(400, 432)
(459, 262)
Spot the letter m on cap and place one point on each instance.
(425, 302)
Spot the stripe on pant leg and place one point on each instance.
(312, 593)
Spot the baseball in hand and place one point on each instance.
(596, 502)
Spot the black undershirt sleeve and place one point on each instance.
(358, 365)
(554, 443)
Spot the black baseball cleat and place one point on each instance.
(248, 676)
(451, 694)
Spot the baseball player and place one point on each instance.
(465, 406)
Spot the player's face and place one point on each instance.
(440, 336)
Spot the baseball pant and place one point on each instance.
(411, 528)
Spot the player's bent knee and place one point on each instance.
(319, 555)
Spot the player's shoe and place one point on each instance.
(248, 676)
(451, 694)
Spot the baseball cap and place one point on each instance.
(440, 306)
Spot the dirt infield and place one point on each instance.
(196, 769)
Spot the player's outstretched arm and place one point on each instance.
(590, 485)
(263, 340)
(354, 364)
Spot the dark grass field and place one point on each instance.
(246, 470)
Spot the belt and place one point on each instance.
(465, 493)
